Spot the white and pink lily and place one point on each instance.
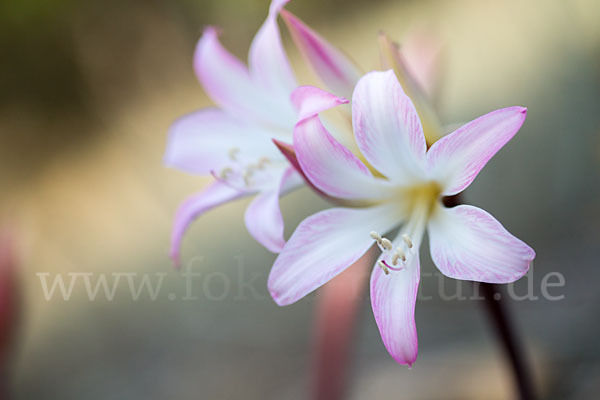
(399, 185)
(233, 142)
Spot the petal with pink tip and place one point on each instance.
(263, 216)
(228, 82)
(468, 243)
(393, 299)
(387, 128)
(194, 206)
(310, 101)
(334, 112)
(322, 246)
(393, 58)
(333, 67)
(268, 62)
(333, 168)
(422, 52)
(203, 141)
(456, 159)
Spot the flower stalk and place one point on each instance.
(509, 339)
(337, 311)
(498, 313)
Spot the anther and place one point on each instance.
(401, 254)
(375, 236)
(247, 175)
(407, 240)
(225, 172)
(233, 152)
(262, 162)
(398, 255)
(386, 243)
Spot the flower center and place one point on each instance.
(421, 198)
(394, 260)
(419, 202)
(239, 173)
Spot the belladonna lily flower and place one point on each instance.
(399, 187)
(233, 142)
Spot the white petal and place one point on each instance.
(468, 243)
(229, 83)
(268, 62)
(194, 206)
(456, 159)
(387, 128)
(393, 298)
(324, 245)
(263, 217)
(333, 168)
(210, 140)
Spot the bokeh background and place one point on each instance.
(87, 92)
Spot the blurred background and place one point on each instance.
(88, 90)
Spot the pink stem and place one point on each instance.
(336, 314)
(8, 306)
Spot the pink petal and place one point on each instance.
(387, 127)
(322, 246)
(457, 158)
(290, 154)
(202, 142)
(333, 168)
(269, 65)
(228, 82)
(392, 57)
(310, 101)
(422, 53)
(194, 206)
(393, 300)
(468, 243)
(263, 216)
(224, 77)
(334, 68)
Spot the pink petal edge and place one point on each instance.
(263, 216)
(457, 158)
(310, 101)
(214, 195)
(468, 243)
(387, 128)
(334, 68)
(393, 299)
(322, 246)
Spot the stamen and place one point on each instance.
(225, 172)
(375, 235)
(401, 253)
(233, 152)
(247, 175)
(386, 243)
(398, 254)
(262, 162)
(407, 240)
